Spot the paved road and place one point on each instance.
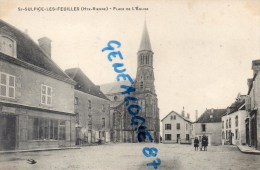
(129, 156)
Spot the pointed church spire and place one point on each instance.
(145, 42)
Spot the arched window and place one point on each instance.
(7, 42)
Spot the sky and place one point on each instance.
(203, 49)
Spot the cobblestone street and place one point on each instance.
(129, 156)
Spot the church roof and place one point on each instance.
(114, 87)
(84, 84)
(31, 56)
(145, 41)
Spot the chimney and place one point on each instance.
(256, 66)
(196, 115)
(45, 45)
(183, 112)
(188, 116)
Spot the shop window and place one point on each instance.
(44, 129)
(62, 133)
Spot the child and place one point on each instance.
(196, 143)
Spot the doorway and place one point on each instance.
(7, 132)
(178, 138)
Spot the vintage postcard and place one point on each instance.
(114, 85)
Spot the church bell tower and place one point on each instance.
(144, 84)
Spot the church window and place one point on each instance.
(142, 59)
(141, 85)
(143, 106)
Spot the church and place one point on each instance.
(121, 130)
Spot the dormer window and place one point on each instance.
(7, 42)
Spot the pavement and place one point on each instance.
(123, 156)
(248, 150)
(37, 150)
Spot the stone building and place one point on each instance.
(176, 128)
(209, 124)
(145, 92)
(252, 107)
(121, 131)
(91, 109)
(233, 123)
(36, 96)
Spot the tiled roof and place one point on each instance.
(30, 55)
(176, 114)
(235, 106)
(84, 84)
(114, 87)
(211, 116)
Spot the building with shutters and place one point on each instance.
(145, 92)
(210, 125)
(91, 108)
(252, 107)
(176, 128)
(233, 123)
(36, 96)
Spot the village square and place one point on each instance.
(53, 114)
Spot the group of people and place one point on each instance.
(202, 144)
